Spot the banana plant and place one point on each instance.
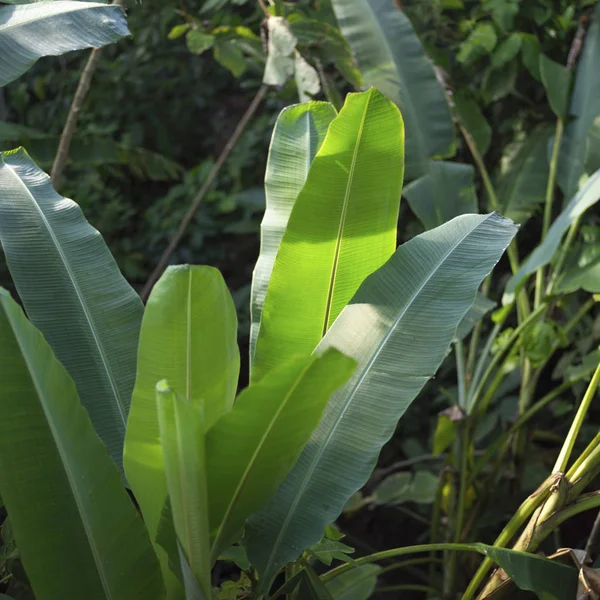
(348, 330)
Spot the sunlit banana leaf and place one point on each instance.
(182, 442)
(523, 175)
(543, 254)
(30, 31)
(297, 137)
(391, 59)
(341, 229)
(189, 337)
(78, 532)
(584, 108)
(445, 192)
(398, 327)
(251, 449)
(73, 293)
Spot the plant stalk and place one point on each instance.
(187, 219)
(66, 137)
(567, 448)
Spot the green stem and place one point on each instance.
(501, 442)
(500, 355)
(463, 448)
(564, 252)
(459, 351)
(567, 448)
(539, 276)
(523, 513)
(592, 447)
(393, 553)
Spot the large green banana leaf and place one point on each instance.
(297, 137)
(445, 192)
(251, 449)
(341, 229)
(523, 175)
(189, 337)
(182, 433)
(73, 293)
(398, 328)
(78, 532)
(391, 59)
(587, 196)
(584, 108)
(31, 31)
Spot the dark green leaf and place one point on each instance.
(472, 119)
(557, 81)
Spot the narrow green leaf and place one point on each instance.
(530, 53)
(73, 293)
(31, 31)
(357, 584)
(297, 137)
(583, 108)
(78, 533)
(523, 175)
(557, 81)
(342, 228)
(398, 327)
(447, 191)
(182, 439)
(481, 41)
(472, 119)
(189, 335)
(543, 254)
(251, 449)
(391, 59)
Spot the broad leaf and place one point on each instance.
(182, 439)
(297, 137)
(447, 191)
(341, 229)
(189, 337)
(585, 276)
(584, 109)
(549, 580)
(523, 175)
(73, 293)
(391, 59)
(472, 119)
(543, 254)
(357, 584)
(251, 449)
(557, 81)
(31, 31)
(78, 533)
(398, 327)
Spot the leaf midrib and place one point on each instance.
(78, 292)
(342, 225)
(316, 459)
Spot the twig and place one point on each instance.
(187, 219)
(83, 87)
(589, 546)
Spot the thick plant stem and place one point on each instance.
(187, 219)
(464, 441)
(567, 448)
(539, 276)
(523, 513)
(66, 137)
